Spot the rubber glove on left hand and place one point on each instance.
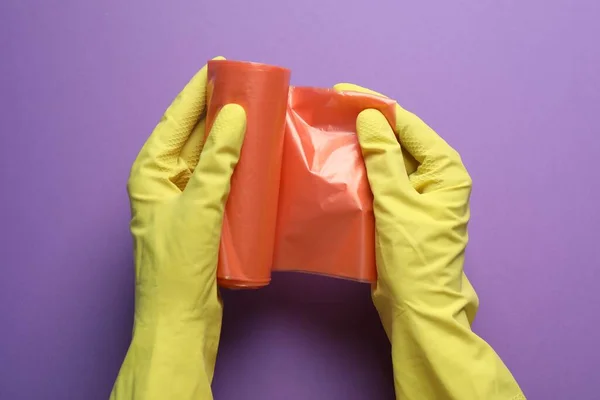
(178, 188)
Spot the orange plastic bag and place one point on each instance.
(300, 199)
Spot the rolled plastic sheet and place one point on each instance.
(248, 233)
(300, 199)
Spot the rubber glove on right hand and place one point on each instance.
(423, 298)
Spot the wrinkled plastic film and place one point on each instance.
(248, 233)
(325, 223)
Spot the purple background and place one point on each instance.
(513, 85)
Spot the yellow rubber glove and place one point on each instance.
(422, 295)
(177, 213)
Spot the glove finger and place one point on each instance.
(162, 149)
(416, 137)
(350, 87)
(410, 163)
(210, 183)
(440, 166)
(188, 159)
(384, 162)
(190, 153)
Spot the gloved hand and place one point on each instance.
(422, 295)
(177, 213)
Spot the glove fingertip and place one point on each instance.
(219, 157)
(229, 127)
(372, 126)
(344, 87)
(381, 151)
(350, 87)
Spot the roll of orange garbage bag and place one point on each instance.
(248, 234)
(325, 223)
(300, 199)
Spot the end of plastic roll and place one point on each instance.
(234, 284)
